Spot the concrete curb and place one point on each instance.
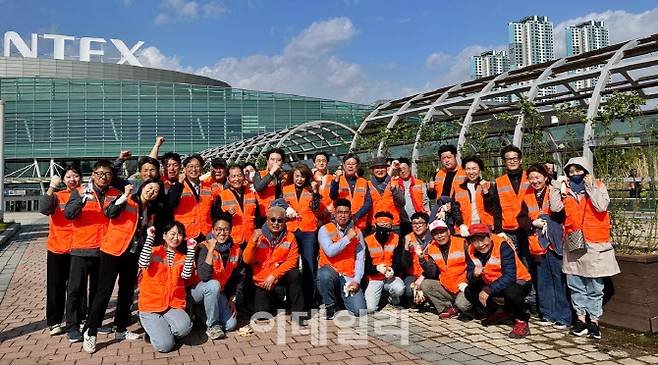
(8, 234)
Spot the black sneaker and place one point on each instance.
(329, 313)
(74, 335)
(579, 328)
(593, 331)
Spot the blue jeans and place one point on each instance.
(586, 295)
(408, 280)
(307, 242)
(393, 286)
(330, 282)
(215, 304)
(164, 328)
(552, 289)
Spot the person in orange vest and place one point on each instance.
(413, 265)
(269, 183)
(192, 200)
(273, 256)
(241, 203)
(90, 207)
(386, 192)
(249, 171)
(342, 261)
(544, 230)
(323, 178)
(415, 196)
(217, 278)
(449, 176)
(444, 284)
(493, 269)
(586, 202)
(470, 196)
(60, 234)
(218, 174)
(162, 296)
(118, 258)
(353, 188)
(382, 246)
(303, 211)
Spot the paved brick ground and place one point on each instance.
(388, 337)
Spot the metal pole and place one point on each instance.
(2, 160)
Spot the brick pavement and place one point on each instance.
(24, 337)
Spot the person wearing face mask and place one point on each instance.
(585, 202)
(348, 185)
(444, 271)
(120, 248)
(385, 192)
(60, 234)
(304, 208)
(381, 248)
(269, 183)
(470, 195)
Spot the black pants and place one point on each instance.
(292, 283)
(125, 267)
(514, 296)
(84, 271)
(57, 276)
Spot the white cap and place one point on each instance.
(438, 224)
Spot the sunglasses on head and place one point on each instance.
(277, 220)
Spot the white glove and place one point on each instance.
(504, 236)
(462, 286)
(544, 230)
(538, 223)
(441, 214)
(381, 268)
(88, 193)
(291, 213)
(347, 291)
(463, 230)
(389, 273)
(55, 181)
(563, 179)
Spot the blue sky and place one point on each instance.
(354, 50)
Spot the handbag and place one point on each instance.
(576, 242)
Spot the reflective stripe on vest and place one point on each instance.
(345, 261)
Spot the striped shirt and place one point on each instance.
(147, 250)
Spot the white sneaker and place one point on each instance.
(56, 330)
(544, 323)
(127, 335)
(89, 343)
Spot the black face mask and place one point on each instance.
(382, 233)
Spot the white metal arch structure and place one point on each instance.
(300, 141)
(623, 67)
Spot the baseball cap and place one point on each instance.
(218, 162)
(478, 229)
(438, 224)
(378, 161)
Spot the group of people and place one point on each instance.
(199, 246)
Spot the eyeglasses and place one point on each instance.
(223, 229)
(277, 220)
(418, 223)
(512, 159)
(100, 174)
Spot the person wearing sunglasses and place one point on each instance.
(272, 254)
(90, 207)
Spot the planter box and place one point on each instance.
(634, 304)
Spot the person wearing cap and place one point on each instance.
(470, 195)
(218, 174)
(494, 270)
(445, 273)
(342, 261)
(385, 192)
(448, 177)
(410, 262)
(192, 200)
(586, 202)
(415, 195)
(382, 246)
(269, 183)
(272, 255)
(354, 188)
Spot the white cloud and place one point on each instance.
(187, 11)
(454, 68)
(321, 37)
(436, 60)
(622, 26)
(152, 57)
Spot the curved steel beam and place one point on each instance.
(604, 77)
(394, 120)
(363, 124)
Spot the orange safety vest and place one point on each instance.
(268, 259)
(306, 220)
(463, 197)
(440, 178)
(243, 220)
(60, 229)
(415, 269)
(214, 186)
(357, 199)
(266, 196)
(221, 272)
(453, 271)
(534, 211)
(194, 215)
(345, 261)
(324, 190)
(416, 191)
(492, 270)
(90, 225)
(582, 215)
(510, 202)
(121, 230)
(383, 203)
(161, 286)
(381, 254)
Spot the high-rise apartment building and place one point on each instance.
(530, 41)
(585, 37)
(489, 63)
